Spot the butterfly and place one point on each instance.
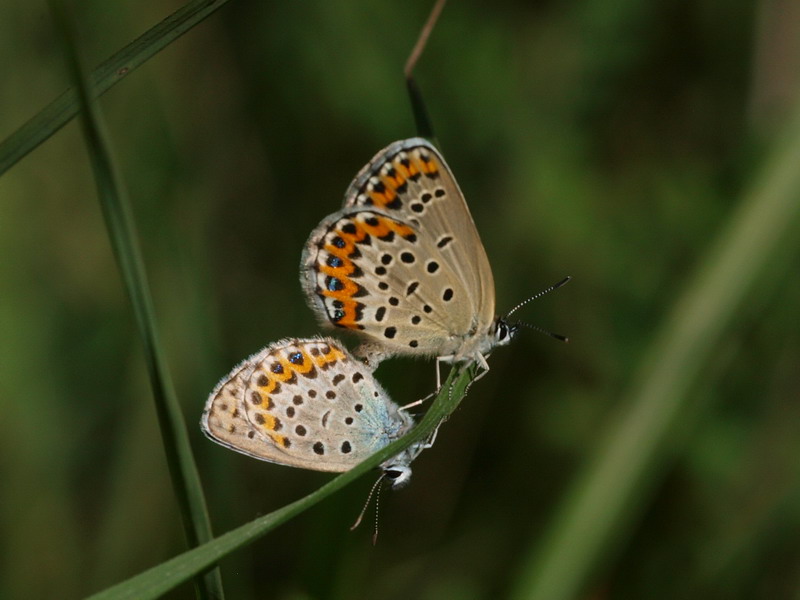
(402, 263)
(308, 403)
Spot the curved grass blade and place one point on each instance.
(116, 211)
(612, 491)
(422, 119)
(164, 577)
(61, 110)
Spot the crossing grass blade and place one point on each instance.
(118, 66)
(117, 214)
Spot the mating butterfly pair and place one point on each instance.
(402, 265)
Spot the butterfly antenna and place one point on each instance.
(366, 504)
(377, 506)
(539, 295)
(555, 336)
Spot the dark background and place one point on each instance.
(605, 140)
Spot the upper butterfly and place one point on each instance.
(403, 265)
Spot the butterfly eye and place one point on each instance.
(398, 475)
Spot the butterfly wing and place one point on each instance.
(402, 263)
(377, 275)
(410, 180)
(303, 403)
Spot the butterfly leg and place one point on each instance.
(417, 402)
(432, 440)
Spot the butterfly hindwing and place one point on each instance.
(303, 403)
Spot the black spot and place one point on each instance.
(383, 285)
(251, 434)
(277, 368)
(371, 221)
(394, 301)
(296, 358)
(349, 228)
(413, 343)
(379, 314)
(412, 287)
(334, 261)
(286, 442)
(444, 241)
(357, 377)
(333, 284)
(278, 425)
(417, 207)
(312, 393)
(439, 192)
(300, 430)
(407, 257)
(411, 237)
(365, 241)
(337, 315)
(390, 332)
(356, 272)
(338, 242)
(416, 319)
(255, 398)
(358, 407)
(297, 400)
(432, 266)
(380, 270)
(319, 448)
(427, 308)
(360, 291)
(346, 447)
(330, 395)
(401, 189)
(348, 421)
(311, 373)
(426, 197)
(325, 417)
(290, 411)
(378, 187)
(388, 237)
(338, 379)
(386, 259)
(314, 350)
(448, 295)
(259, 418)
(396, 203)
(262, 380)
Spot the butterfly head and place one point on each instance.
(398, 474)
(502, 332)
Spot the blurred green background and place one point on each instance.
(604, 140)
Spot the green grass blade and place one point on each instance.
(61, 110)
(609, 494)
(117, 214)
(162, 578)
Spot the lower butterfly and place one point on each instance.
(308, 403)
